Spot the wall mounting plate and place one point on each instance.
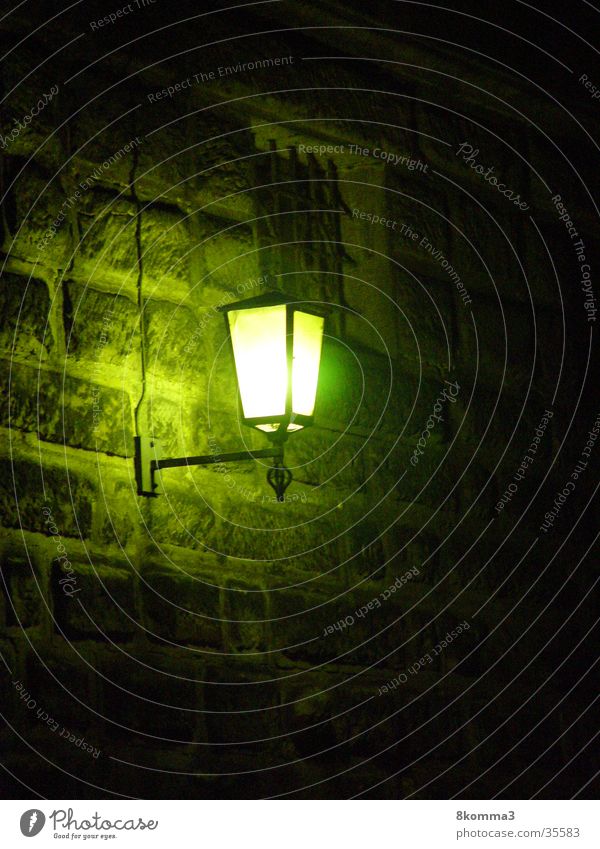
(147, 452)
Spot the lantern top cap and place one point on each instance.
(271, 298)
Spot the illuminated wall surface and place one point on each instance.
(417, 617)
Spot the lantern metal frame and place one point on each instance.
(292, 305)
(148, 454)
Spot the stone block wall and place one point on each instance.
(194, 641)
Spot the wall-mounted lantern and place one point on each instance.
(276, 343)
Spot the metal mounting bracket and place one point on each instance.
(147, 455)
(149, 461)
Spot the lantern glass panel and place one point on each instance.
(258, 338)
(308, 338)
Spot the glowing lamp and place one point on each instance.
(276, 343)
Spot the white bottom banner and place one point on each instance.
(301, 824)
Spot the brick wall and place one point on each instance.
(189, 639)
